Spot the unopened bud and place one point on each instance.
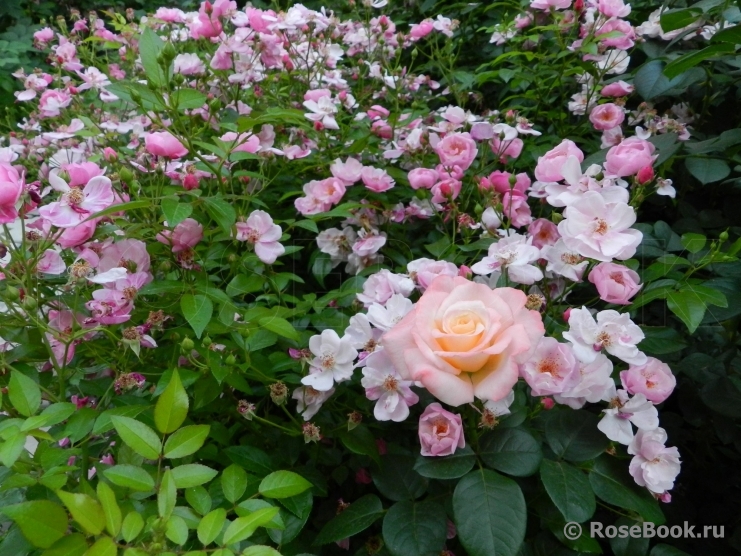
(207, 341)
(187, 345)
(30, 303)
(12, 294)
(230, 359)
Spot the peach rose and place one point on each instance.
(464, 339)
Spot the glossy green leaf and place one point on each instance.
(260, 550)
(222, 212)
(396, 478)
(104, 546)
(243, 527)
(138, 436)
(512, 451)
(172, 406)
(132, 525)
(197, 310)
(166, 495)
(192, 474)
(150, 46)
(23, 393)
(280, 326)
(129, 476)
(111, 510)
(85, 510)
(361, 514)
(199, 499)
(283, 484)
(707, 170)
(186, 441)
(453, 466)
(233, 482)
(42, 522)
(415, 528)
(175, 211)
(69, 545)
(176, 530)
(573, 435)
(211, 525)
(569, 489)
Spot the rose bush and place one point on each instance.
(222, 328)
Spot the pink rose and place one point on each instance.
(629, 157)
(457, 149)
(423, 178)
(548, 4)
(613, 8)
(52, 101)
(516, 209)
(550, 164)
(440, 431)
(606, 116)
(260, 231)
(463, 339)
(11, 188)
(376, 179)
(420, 30)
(77, 235)
(615, 283)
(186, 235)
(349, 172)
(446, 190)
(81, 172)
(243, 142)
(188, 64)
(654, 379)
(617, 89)
(164, 143)
(544, 232)
(553, 368)
(424, 271)
(43, 35)
(626, 37)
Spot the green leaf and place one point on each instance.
(453, 466)
(512, 451)
(707, 170)
(132, 525)
(569, 489)
(666, 550)
(192, 474)
(283, 484)
(199, 499)
(172, 406)
(612, 483)
(730, 35)
(358, 517)
(175, 211)
(138, 436)
(252, 459)
(69, 545)
(243, 527)
(694, 243)
(676, 19)
(23, 393)
(197, 310)
(52, 415)
(130, 476)
(188, 99)
(629, 545)
(186, 441)
(233, 482)
(42, 522)
(103, 423)
(85, 510)
(167, 495)
(690, 305)
(361, 441)
(12, 448)
(211, 525)
(111, 511)
(280, 326)
(241, 284)
(222, 213)
(650, 81)
(177, 530)
(573, 435)
(683, 63)
(397, 480)
(415, 528)
(104, 546)
(261, 550)
(150, 46)
(490, 514)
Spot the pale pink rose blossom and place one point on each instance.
(446, 190)
(654, 466)
(77, 204)
(110, 306)
(382, 383)
(595, 384)
(549, 167)
(242, 142)
(615, 283)
(618, 88)
(80, 173)
(440, 431)
(551, 369)
(612, 331)
(349, 171)
(464, 339)
(380, 286)
(170, 15)
(516, 208)
(544, 232)
(425, 271)
(613, 8)
(423, 178)
(623, 412)
(385, 317)
(627, 158)
(164, 143)
(188, 64)
(310, 400)
(52, 102)
(260, 231)
(368, 243)
(606, 116)
(333, 360)
(420, 30)
(548, 4)
(599, 229)
(626, 35)
(186, 235)
(44, 35)
(515, 254)
(77, 235)
(457, 149)
(51, 263)
(654, 379)
(564, 261)
(322, 111)
(376, 179)
(11, 189)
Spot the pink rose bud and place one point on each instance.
(110, 155)
(617, 89)
(381, 445)
(465, 271)
(440, 431)
(549, 165)
(654, 379)
(423, 178)
(615, 283)
(567, 314)
(362, 477)
(547, 403)
(164, 143)
(645, 175)
(627, 158)
(665, 497)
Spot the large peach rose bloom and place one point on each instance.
(464, 340)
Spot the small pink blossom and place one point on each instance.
(422, 178)
(549, 167)
(440, 431)
(164, 143)
(457, 149)
(544, 232)
(380, 286)
(618, 88)
(552, 368)
(627, 158)
(242, 142)
(446, 190)
(186, 235)
(383, 383)
(615, 283)
(425, 271)
(11, 189)
(51, 263)
(376, 179)
(260, 231)
(77, 204)
(548, 4)
(606, 116)
(52, 102)
(349, 171)
(654, 466)
(613, 8)
(654, 379)
(188, 64)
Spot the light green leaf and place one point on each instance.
(52, 415)
(132, 525)
(260, 550)
(69, 545)
(199, 499)
(233, 482)
(167, 495)
(192, 474)
(175, 211)
(12, 448)
(241, 284)
(177, 530)
(103, 422)
(211, 525)
(85, 510)
(243, 527)
(150, 46)
(172, 406)
(188, 99)
(130, 476)
(280, 326)
(138, 436)
(197, 310)
(222, 212)
(112, 512)
(186, 441)
(42, 522)
(23, 393)
(283, 484)
(104, 546)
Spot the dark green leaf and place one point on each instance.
(415, 528)
(357, 518)
(569, 489)
(573, 435)
(512, 451)
(453, 466)
(397, 480)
